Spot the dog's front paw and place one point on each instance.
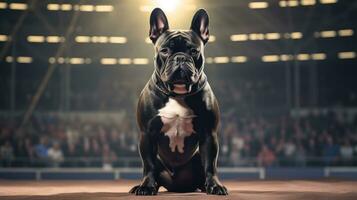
(146, 190)
(213, 186)
(148, 186)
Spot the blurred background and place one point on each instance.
(284, 72)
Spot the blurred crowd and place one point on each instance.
(53, 141)
(312, 140)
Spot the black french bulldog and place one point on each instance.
(178, 113)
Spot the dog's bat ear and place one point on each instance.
(200, 23)
(158, 24)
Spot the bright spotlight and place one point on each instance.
(167, 5)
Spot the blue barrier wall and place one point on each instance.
(238, 175)
(294, 173)
(224, 173)
(25, 175)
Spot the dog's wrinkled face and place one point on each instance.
(179, 60)
(179, 55)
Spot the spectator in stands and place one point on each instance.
(247, 154)
(289, 152)
(266, 157)
(102, 134)
(85, 151)
(237, 146)
(24, 152)
(6, 154)
(41, 152)
(30, 151)
(114, 140)
(346, 152)
(235, 155)
(300, 156)
(330, 151)
(71, 153)
(72, 132)
(55, 155)
(96, 153)
(108, 157)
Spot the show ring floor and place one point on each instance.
(118, 190)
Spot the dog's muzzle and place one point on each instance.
(180, 73)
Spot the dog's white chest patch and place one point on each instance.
(177, 123)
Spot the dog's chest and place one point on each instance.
(177, 123)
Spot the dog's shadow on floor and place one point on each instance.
(233, 195)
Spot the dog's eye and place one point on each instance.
(194, 51)
(164, 51)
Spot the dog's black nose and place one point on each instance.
(180, 59)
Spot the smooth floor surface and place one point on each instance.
(118, 190)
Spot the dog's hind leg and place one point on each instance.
(165, 176)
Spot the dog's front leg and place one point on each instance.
(209, 152)
(148, 153)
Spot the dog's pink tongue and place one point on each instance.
(180, 88)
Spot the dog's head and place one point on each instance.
(179, 55)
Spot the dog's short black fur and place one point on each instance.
(178, 113)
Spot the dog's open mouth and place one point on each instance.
(180, 88)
